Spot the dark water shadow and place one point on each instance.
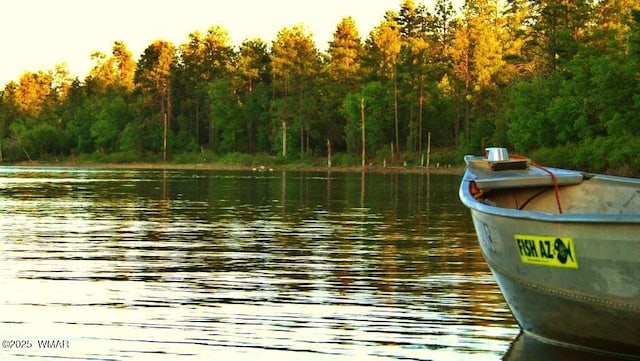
(529, 348)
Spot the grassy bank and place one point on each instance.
(442, 161)
(618, 158)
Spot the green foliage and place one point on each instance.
(378, 114)
(253, 160)
(116, 157)
(346, 160)
(530, 126)
(598, 154)
(104, 134)
(130, 139)
(226, 115)
(193, 157)
(41, 140)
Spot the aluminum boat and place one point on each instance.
(564, 247)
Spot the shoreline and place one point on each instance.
(452, 170)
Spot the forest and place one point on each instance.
(557, 80)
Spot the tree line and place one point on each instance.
(558, 79)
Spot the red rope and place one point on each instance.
(555, 184)
(554, 179)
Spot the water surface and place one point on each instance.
(181, 265)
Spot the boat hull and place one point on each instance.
(593, 305)
(569, 321)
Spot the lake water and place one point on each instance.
(227, 265)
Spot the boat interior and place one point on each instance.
(569, 192)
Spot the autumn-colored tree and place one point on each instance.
(33, 92)
(125, 65)
(461, 57)
(153, 78)
(479, 67)
(383, 48)
(442, 25)
(342, 77)
(33, 123)
(515, 37)
(295, 64)
(612, 26)
(112, 73)
(344, 53)
(415, 68)
(253, 64)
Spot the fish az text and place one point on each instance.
(547, 250)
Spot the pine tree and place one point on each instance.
(154, 79)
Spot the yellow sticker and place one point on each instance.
(547, 251)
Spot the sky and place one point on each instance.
(35, 35)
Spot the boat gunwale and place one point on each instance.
(468, 200)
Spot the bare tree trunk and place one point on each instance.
(164, 137)
(364, 152)
(284, 139)
(395, 110)
(301, 140)
(328, 153)
(198, 120)
(428, 150)
(163, 118)
(420, 105)
(166, 106)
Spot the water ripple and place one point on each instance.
(191, 265)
